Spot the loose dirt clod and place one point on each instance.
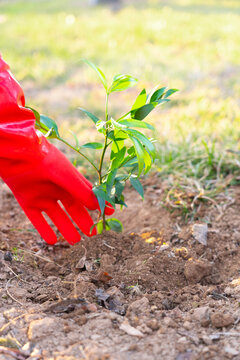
(220, 320)
(42, 328)
(195, 270)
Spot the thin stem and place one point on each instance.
(105, 142)
(106, 108)
(123, 116)
(103, 154)
(79, 152)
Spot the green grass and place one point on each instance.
(191, 45)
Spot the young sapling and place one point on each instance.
(126, 153)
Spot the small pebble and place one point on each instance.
(8, 256)
(169, 322)
(187, 325)
(219, 319)
(230, 350)
(153, 324)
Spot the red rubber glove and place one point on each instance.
(38, 174)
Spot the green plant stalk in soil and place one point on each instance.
(130, 153)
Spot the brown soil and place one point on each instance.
(153, 292)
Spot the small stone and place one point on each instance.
(162, 330)
(219, 319)
(50, 267)
(187, 325)
(130, 330)
(199, 232)
(41, 328)
(195, 270)
(230, 350)
(182, 340)
(133, 347)
(205, 322)
(201, 313)
(139, 306)
(207, 340)
(92, 307)
(153, 324)
(18, 292)
(236, 282)
(80, 321)
(169, 322)
(8, 256)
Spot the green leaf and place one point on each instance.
(136, 123)
(92, 227)
(157, 95)
(122, 177)
(118, 143)
(117, 150)
(110, 181)
(92, 145)
(130, 161)
(117, 135)
(102, 203)
(100, 227)
(139, 152)
(140, 100)
(122, 82)
(137, 185)
(119, 187)
(98, 71)
(36, 114)
(170, 92)
(118, 125)
(145, 141)
(90, 115)
(131, 150)
(111, 177)
(147, 162)
(102, 196)
(49, 126)
(115, 224)
(101, 192)
(143, 111)
(118, 158)
(120, 202)
(162, 101)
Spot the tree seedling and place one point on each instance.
(126, 153)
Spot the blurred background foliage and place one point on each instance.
(192, 45)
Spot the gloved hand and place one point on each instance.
(38, 174)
